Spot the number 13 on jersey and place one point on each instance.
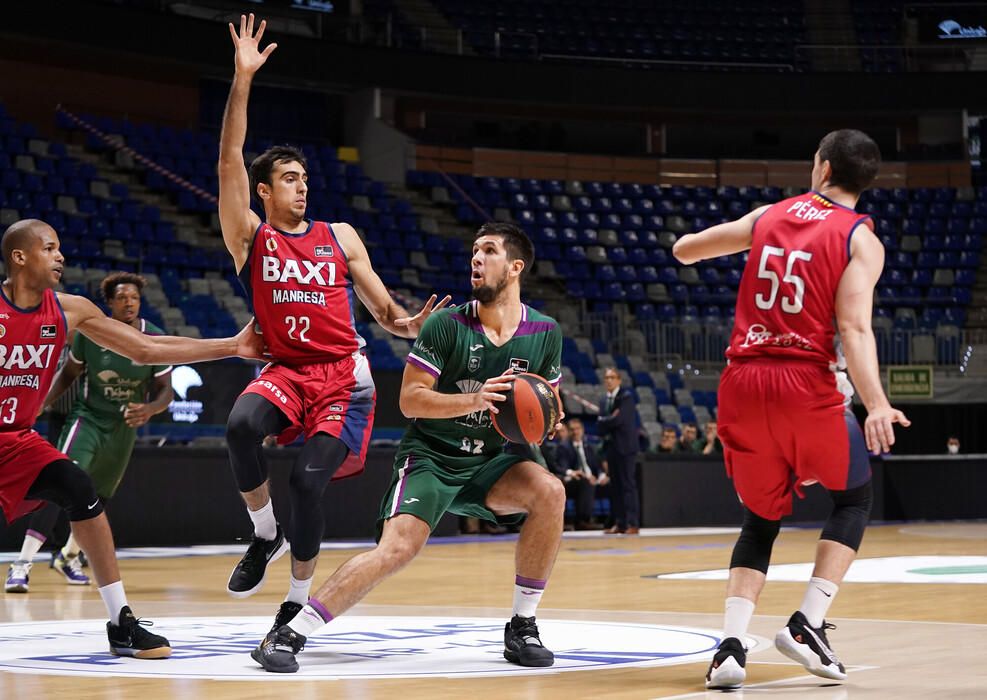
(789, 304)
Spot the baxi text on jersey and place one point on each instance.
(25, 356)
(322, 274)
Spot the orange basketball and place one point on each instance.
(531, 410)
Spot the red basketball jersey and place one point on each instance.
(787, 297)
(302, 295)
(31, 342)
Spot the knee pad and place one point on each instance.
(252, 419)
(851, 511)
(65, 484)
(757, 538)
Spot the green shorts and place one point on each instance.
(101, 448)
(423, 488)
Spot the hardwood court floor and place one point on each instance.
(900, 640)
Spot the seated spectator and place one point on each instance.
(669, 440)
(953, 445)
(713, 445)
(579, 467)
(690, 440)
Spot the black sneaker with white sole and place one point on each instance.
(277, 652)
(809, 646)
(522, 645)
(728, 669)
(248, 575)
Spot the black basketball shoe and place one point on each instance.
(129, 638)
(522, 646)
(277, 652)
(728, 669)
(809, 647)
(248, 575)
(286, 613)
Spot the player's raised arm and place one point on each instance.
(126, 340)
(722, 239)
(236, 218)
(391, 316)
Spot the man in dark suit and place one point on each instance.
(578, 465)
(618, 426)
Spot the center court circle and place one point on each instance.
(351, 647)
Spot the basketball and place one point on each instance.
(530, 412)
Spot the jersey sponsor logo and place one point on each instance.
(355, 647)
(519, 365)
(758, 335)
(318, 273)
(118, 389)
(474, 348)
(323, 251)
(807, 212)
(476, 419)
(3, 331)
(273, 389)
(271, 244)
(297, 296)
(49, 331)
(25, 356)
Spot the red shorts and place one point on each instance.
(783, 425)
(23, 454)
(336, 398)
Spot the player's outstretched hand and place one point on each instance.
(492, 392)
(879, 430)
(250, 343)
(249, 58)
(414, 323)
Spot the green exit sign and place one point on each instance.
(910, 382)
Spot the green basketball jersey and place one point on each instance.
(111, 381)
(454, 349)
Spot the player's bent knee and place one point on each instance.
(757, 538)
(851, 511)
(62, 482)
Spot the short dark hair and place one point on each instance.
(853, 157)
(113, 280)
(263, 165)
(516, 242)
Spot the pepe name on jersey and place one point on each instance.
(302, 272)
(21, 359)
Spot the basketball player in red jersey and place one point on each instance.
(301, 276)
(783, 420)
(34, 323)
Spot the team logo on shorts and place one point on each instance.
(48, 331)
(271, 244)
(323, 251)
(336, 407)
(519, 365)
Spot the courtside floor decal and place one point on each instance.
(351, 647)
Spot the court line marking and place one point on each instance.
(765, 684)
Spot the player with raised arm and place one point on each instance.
(34, 325)
(783, 419)
(301, 276)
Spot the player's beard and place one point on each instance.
(486, 294)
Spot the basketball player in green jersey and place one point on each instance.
(451, 459)
(100, 430)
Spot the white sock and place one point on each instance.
(115, 599)
(71, 548)
(527, 595)
(818, 597)
(265, 526)
(298, 591)
(737, 618)
(310, 619)
(32, 543)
